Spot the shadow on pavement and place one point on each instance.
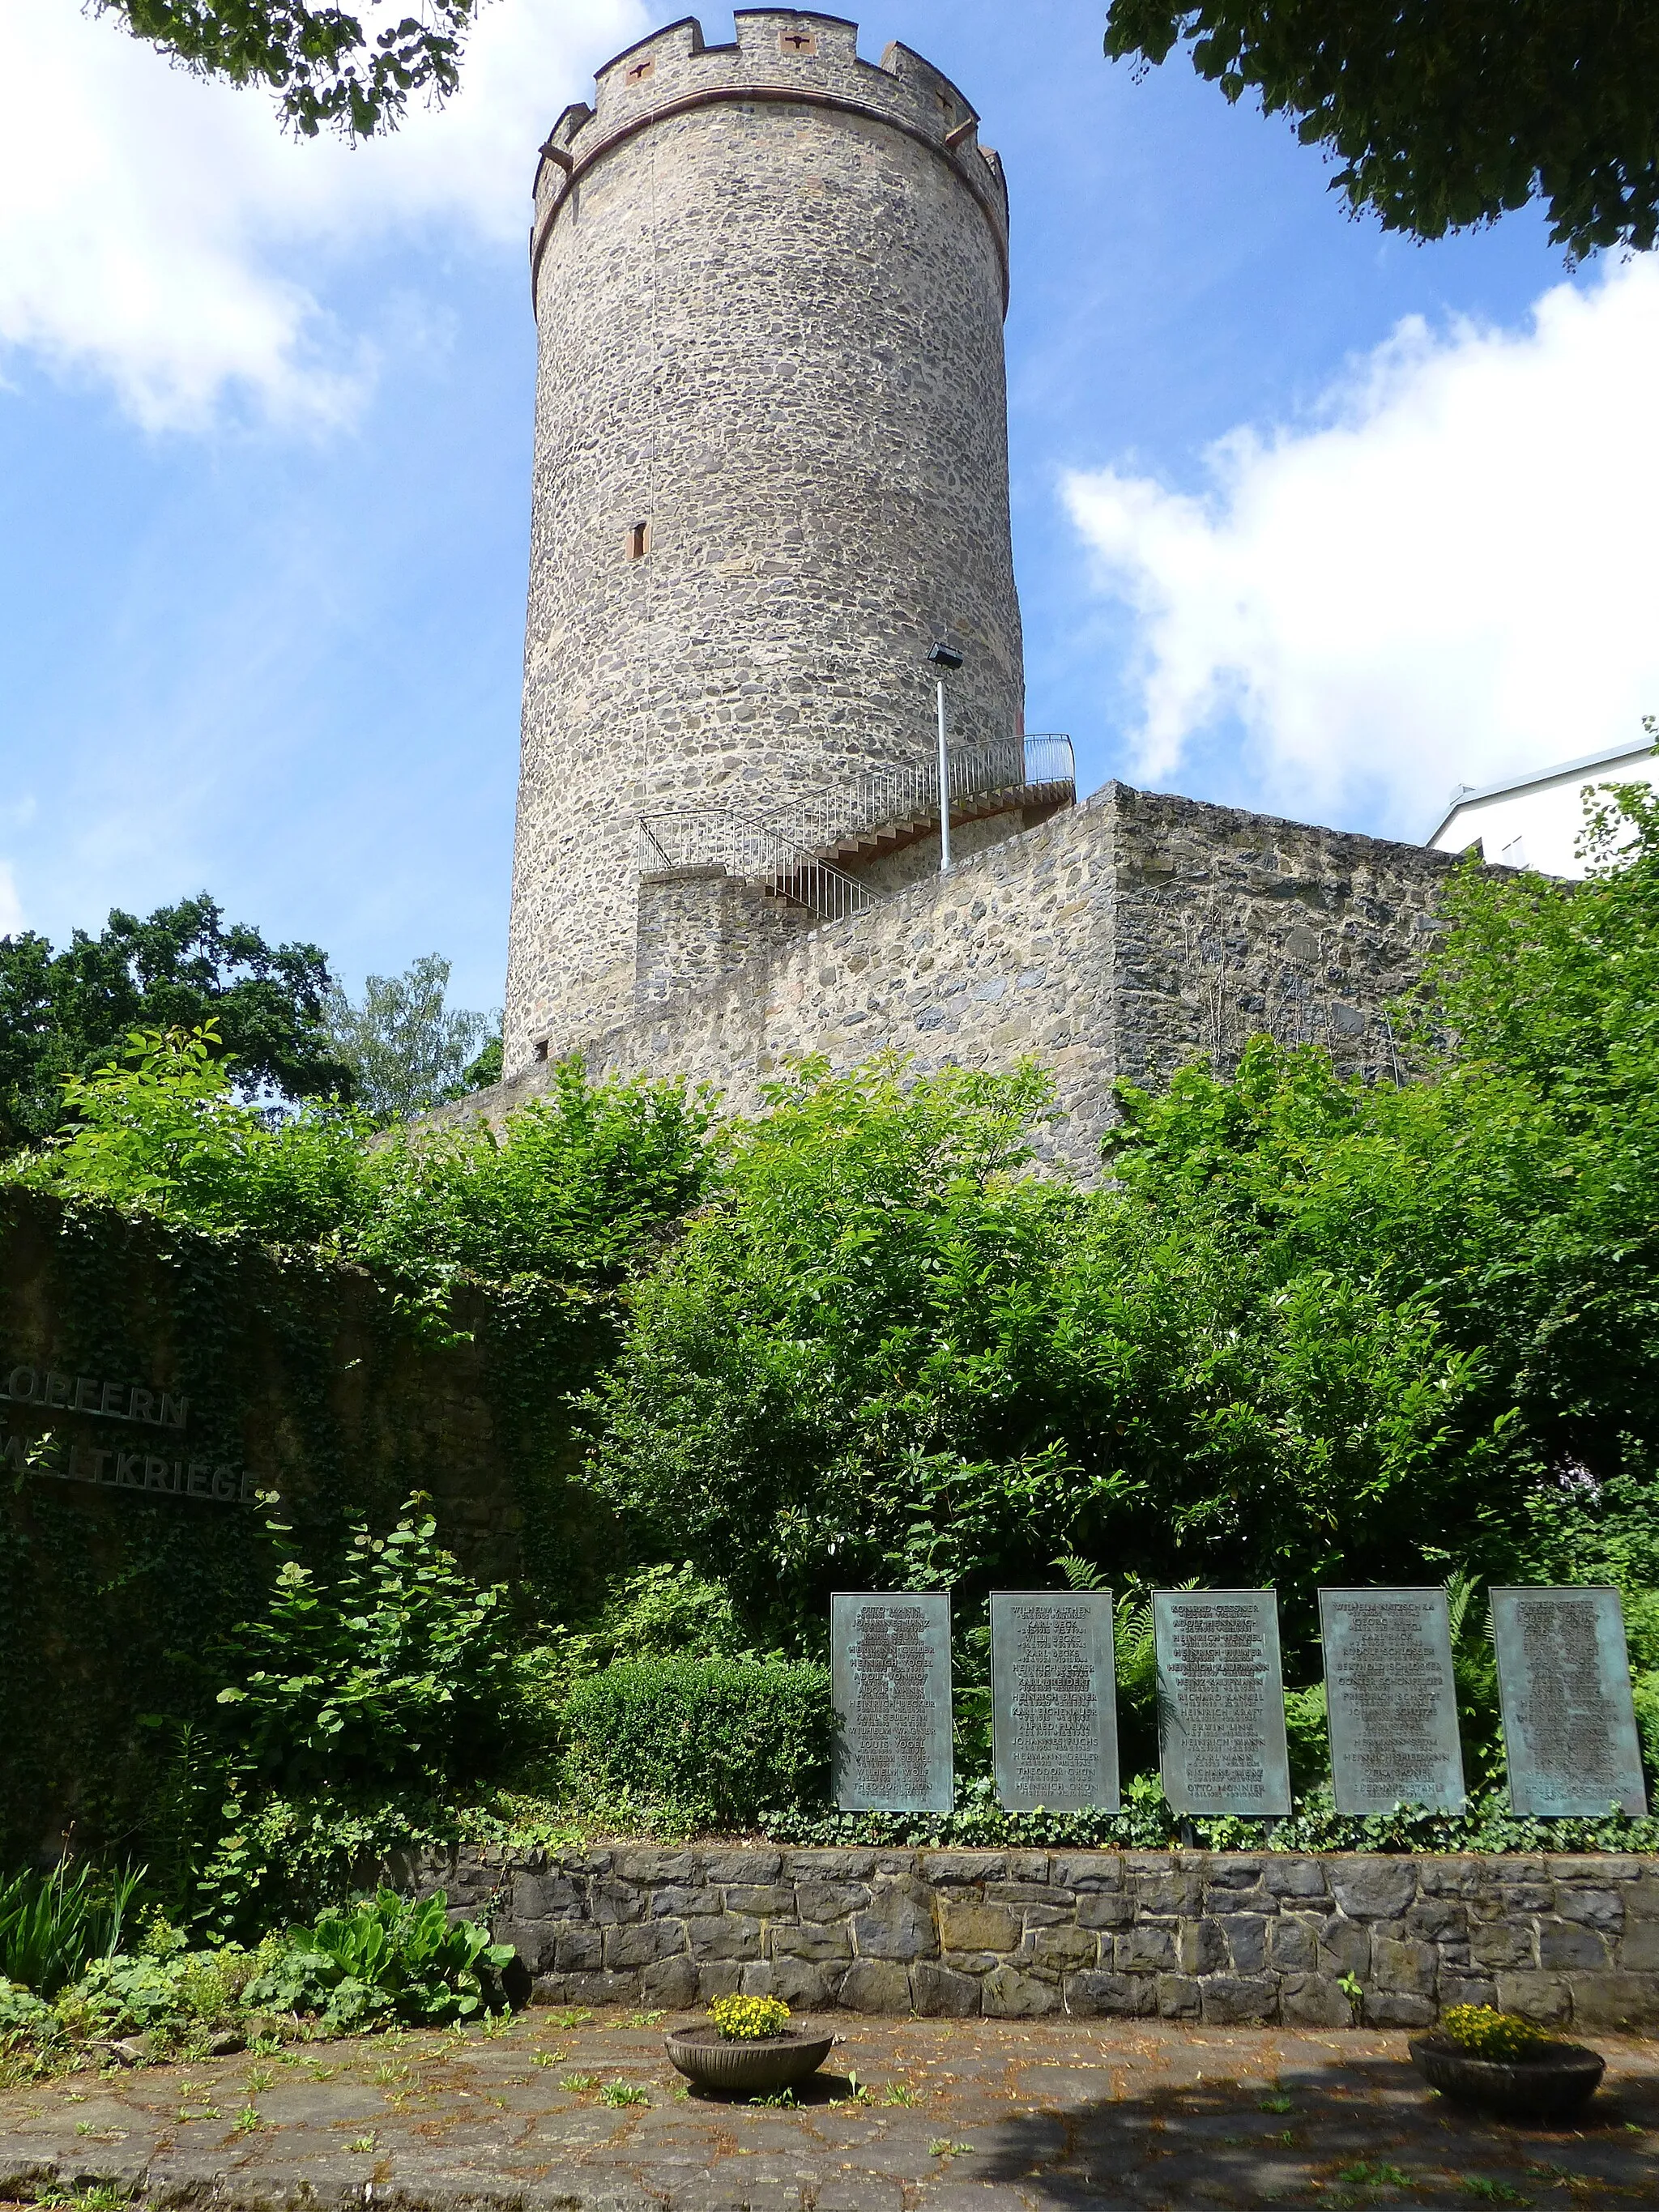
(1357, 2132)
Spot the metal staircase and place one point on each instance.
(798, 856)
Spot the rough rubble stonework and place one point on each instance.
(1217, 1936)
(770, 281)
(1122, 937)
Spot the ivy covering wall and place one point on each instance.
(141, 1361)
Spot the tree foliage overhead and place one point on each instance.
(1445, 113)
(71, 1012)
(330, 69)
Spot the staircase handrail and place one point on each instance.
(750, 845)
(785, 853)
(899, 795)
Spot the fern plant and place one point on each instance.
(1135, 1651)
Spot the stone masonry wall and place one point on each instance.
(1122, 937)
(1220, 1937)
(698, 924)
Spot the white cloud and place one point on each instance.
(156, 230)
(1451, 573)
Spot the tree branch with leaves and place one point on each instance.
(329, 69)
(1444, 113)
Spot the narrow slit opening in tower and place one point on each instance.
(639, 540)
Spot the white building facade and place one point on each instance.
(1535, 821)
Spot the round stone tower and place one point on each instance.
(770, 472)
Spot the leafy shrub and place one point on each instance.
(169, 1993)
(582, 1184)
(747, 2020)
(657, 1612)
(51, 1925)
(22, 2013)
(1485, 2032)
(279, 1859)
(384, 1958)
(396, 1672)
(725, 1738)
(663, 1612)
(883, 1355)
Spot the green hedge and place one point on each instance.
(725, 1739)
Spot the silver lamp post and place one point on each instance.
(941, 657)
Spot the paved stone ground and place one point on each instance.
(982, 2116)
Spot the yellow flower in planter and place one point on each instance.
(746, 2020)
(1486, 2033)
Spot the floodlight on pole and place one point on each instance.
(941, 657)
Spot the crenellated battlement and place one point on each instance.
(789, 55)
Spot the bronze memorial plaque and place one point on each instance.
(1391, 1699)
(1053, 1700)
(889, 1663)
(1568, 1720)
(1220, 1702)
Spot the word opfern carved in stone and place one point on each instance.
(53, 1455)
(86, 1394)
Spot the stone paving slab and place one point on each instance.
(955, 2116)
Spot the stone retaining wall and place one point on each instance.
(1220, 1937)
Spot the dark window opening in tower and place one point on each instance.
(639, 541)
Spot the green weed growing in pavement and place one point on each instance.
(1491, 2192)
(900, 2093)
(1364, 2175)
(623, 2093)
(579, 2083)
(1277, 2103)
(248, 2121)
(100, 2196)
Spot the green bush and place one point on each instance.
(22, 2013)
(382, 1959)
(581, 1185)
(726, 1739)
(169, 1993)
(397, 1671)
(885, 1357)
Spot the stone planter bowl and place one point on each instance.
(747, 2067)
(1550, 2086)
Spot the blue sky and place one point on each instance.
(1305, 517)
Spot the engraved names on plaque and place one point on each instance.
(1053, 1700)
(1220, 1702)
(890, 1664)
(1568, 1720)
(1391, 1701)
